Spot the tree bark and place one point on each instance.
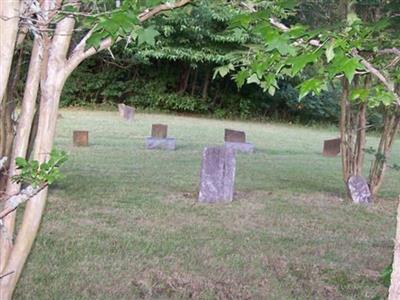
(394, 290)
(52, 81)
(9, 17)
(204, 93)
(194, 82)
(21, 142)
(184, 80)
(345, 145)
(388, 136)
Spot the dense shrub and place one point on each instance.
(155, 87)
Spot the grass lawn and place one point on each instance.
(124, 222)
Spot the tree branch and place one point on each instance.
(160, 8)
(79, 53)
(14, 201)
(368, 66)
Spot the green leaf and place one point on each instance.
(253, 79)
(313, 85)
(95, 39)
(299, 62)
(342, 64)
(329, 52)
(147, 36)
(240, 78)
(223, 70)
(360, 93)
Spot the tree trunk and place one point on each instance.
(394, 290)
(204, 94)
(345, 145)
(9, 12)
(21, 142)
(184, 80)
(194, 82)
(361, 133)
(388, 136)
(52, 82)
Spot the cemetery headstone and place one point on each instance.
(159, 138)
(217, 178)
(331, 147)
(236, 140)
(359, 190)
(126, 112)
(159, 131)
(235, 136)
(81, 138)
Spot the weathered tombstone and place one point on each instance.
(126, 112)
(159, 131)
(159, 139)
(81, 138)
(235, 136)
(331, 147)
(359, 190)
(217, 178)
(236, 140)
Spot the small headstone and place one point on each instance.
(217, 177)
(81, 138)
(234, 136)
(159, 139)
(126, 112)
(236, 140)
(331, 147)
(159, 131)
(359, 190)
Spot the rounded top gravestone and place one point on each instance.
(359, 190)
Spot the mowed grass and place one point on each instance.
(124, 222)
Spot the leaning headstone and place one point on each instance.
(331, 147)
(217, 178)
(236, 140)
(81, 138)
(126, 112)
(359, 190)
(159, 139)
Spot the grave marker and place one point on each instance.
(236, 140)
(217, 178)
(126, 112)
(331, 147)
(235, 136)
(359, 190)
(159, 131)
(81, 138)
(159, 139)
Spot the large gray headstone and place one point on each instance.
(359, 190)
(217, 178)
(126, 112)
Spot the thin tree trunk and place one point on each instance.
(184, 80)
(204, 93)
(345, 145)
(9, 12)
(378, 167)
(194, 82)
(32, 136)
(52, 82)
(21, 143)
(394, 290)
(360, 139)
